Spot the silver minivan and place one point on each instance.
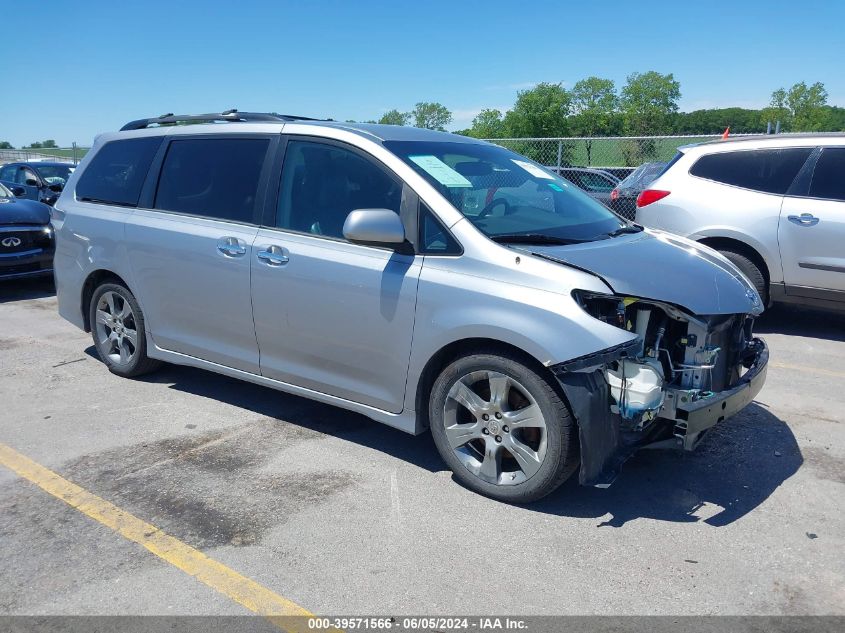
(424, 279)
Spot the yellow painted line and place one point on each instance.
(216, 575)
(811, 370)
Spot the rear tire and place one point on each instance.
(117, 327)
(750, 270)
(502, 428)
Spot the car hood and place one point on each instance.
(19, 211)
(663, 267)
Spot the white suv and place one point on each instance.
(773, 205)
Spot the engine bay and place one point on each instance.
(679, 358)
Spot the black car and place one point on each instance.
(26, 237)
(623, 198)
(596, 182)
(41, 181)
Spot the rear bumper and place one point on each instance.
(692, 419)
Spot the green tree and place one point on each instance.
(431, 116)
(6, 145)
(594, 103)
(715, 120)
(394, 117)
(49, 143)
(540, 112)
(806, 106)
(777, 110)
(36, 145)
(649, 102)
(489, 123)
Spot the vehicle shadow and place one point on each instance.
(23, 289)
(799, 321)
(735, 469)
(316, 416)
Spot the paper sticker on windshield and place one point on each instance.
(532, 169)
(440, 171)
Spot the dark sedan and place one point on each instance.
(623, 198)
(41, 181)
(26, 237)
(596, 182)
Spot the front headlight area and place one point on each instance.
(677, 358)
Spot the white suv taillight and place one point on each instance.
(648, 196)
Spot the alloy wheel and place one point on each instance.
(495, 427)
(117, 332)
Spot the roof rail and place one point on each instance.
(230, 116)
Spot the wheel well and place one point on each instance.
(95, 279)
(727, 243)
(465, 347)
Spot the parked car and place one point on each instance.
(623, 198)
(42, 181)
(26, 238)
(773, 205)
(423, 279)
(596, 182)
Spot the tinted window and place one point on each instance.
(769, 170)
(596, 182)
(829, 175)
(322, 184)
(434, 238)
(117, 172)
(212, 177)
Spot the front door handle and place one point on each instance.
(231, 247)
(273, 256)
(805, 219)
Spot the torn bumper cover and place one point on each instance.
(605, 445)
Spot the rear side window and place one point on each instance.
(214, 178)
(829, 175)
(117, 172)
(767, 170)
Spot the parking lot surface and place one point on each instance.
(345, 516)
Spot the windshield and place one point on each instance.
(505, 194)
(55, 174)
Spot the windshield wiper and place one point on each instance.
(535, 238)
(622, 230)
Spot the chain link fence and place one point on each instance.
(62, 154)
(615, 153)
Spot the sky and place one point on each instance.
(82, 67)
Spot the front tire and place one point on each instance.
(502, 428)
(750, 270)
(117, 327)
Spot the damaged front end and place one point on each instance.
(680, 376)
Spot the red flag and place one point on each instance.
(726, 132)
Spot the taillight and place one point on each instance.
(614, 195)
(648, 196)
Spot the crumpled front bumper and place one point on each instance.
(604, 447)
(693, 418)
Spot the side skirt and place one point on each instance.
(404, 421)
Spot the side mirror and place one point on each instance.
(377, 227)
(19, 192)
(57, 188)
(31, 182)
